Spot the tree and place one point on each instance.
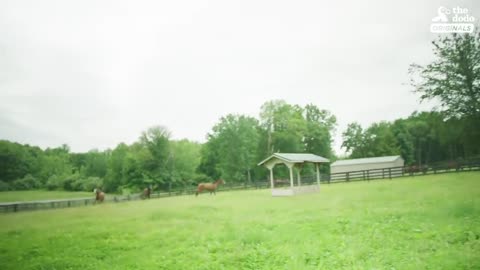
(320, 128)
(376, 140)
(186, 158)
(285, 126)
(116, 168)
(155, 162)
(236, 140)
(454, 76)
(353, 140)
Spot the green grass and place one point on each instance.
(429, 222)
(34, 195)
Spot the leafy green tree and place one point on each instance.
(236, 137)
(116, 168)
(353, 140)
(321, 125)
(376, 140)
(209, 160)
(285, 127)
(453, 77)
(186, 159)
(156, 161)
(14, 162)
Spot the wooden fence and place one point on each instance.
(366, 175)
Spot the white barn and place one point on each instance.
(361, 164)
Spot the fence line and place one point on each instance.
(365, 175)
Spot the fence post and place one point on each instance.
(390, 173)
(368, 175)
(15, 207)
(363, 175)
(348, 176)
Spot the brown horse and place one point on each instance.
(209, 186)
(146, 192)
(99, 195)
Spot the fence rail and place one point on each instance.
(365, 175)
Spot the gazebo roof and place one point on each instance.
(296, 158)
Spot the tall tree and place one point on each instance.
(320, 128)
(157, 162)
(186, 159)
(236, 138)
(453, 79)
(454, 76)
(353, 140)
(285, 126)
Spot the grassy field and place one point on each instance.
(430, 222)
(34, 195)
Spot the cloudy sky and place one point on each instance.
(92, 74)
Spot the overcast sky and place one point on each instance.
(92, 74)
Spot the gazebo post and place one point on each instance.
(299, 181)
(270, 168)
(272, 184)
(290, 165)
(318, 174)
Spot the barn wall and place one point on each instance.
(399, 162)
(370, 166)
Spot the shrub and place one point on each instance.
(4, 186)
(91, 183)
(54, 182)
(25, 183)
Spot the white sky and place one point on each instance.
(92, 74)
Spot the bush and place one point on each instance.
(25, 183)
(54, 182)
(201, 178)
(91, 183)
(4, 186)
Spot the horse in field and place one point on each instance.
(209, 186)
(99, 195)
(146, 192)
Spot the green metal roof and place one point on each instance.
(364, 161)
(296, 158)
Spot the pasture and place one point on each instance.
(429, 222)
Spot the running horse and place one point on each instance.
(209, 186)
(99, 195)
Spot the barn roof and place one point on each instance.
(296, 158)
(365, 160)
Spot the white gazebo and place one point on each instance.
(293, 161)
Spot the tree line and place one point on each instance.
(234, 147)
(237, 142)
